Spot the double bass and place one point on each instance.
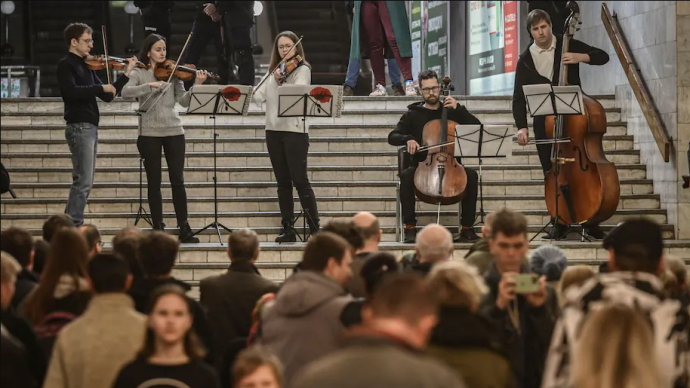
(582, 185)
(440, 179)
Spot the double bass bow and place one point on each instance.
(582, 185)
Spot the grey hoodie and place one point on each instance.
(303, 323)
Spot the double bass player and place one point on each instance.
(540, 64)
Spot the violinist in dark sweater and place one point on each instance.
(540, 64)
(409, 132)
(79, 87)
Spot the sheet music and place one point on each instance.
(321, 100)
(538, 99)
(488, 141)
(232, 99)
(568, 100)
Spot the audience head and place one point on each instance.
(330, 254)
(616, 349)
(370, 228)
(671, 285)
(549, 261)
(508, 243)
(93, 238)
(347, 230)
(403, 300)
(41, 248)
(157, 254)
(256, 367)
(457, 284)
(67, 257)
(486, 228)
(434, 244)
(126, 244)
(377, 266)
(170, 323)
(243, 246)
(55, 223)
(109, 273)
(18, 243)
(636, 245)
(677, 266)
(576, 276)
(9, 268)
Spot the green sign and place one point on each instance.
(435, 36)
(416, 24)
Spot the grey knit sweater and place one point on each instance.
(162, 120)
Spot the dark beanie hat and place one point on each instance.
(377, 266)
(549, 261)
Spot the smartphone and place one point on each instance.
(526, 283)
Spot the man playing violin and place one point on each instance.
(79, 87)
(409, 132)
(540, 64)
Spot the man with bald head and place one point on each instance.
(433, 244)
(368, 224)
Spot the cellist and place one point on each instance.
(540, 64)
(409, 132)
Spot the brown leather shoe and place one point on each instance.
(348, 91)
(398, 90)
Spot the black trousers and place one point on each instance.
(407, 197)
(243, 53)
(544, 150)
(288, 153)
(157, 22)
(203, 33)
(150, 150)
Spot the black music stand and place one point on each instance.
(309, 101)
(144, 108)
(547, 100)
(214, 100)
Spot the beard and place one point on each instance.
(431, 100)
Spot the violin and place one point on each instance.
(582, 183)
(99, 62)
(184, 72)
(289, 66)
(440, 179)
(284, 60)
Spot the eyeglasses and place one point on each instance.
(431, 89)
(87, 41)
(285, 47)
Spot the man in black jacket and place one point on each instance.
(156, 17)
(540, 64)
(409, 132)
(19, 243)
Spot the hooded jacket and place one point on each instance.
(303, 323)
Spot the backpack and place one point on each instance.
(47, 330)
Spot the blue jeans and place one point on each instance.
(353, 72)
(82, 139)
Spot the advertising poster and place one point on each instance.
(436, 17)
(492, 46)
(416, 17)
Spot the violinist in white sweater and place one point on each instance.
(287, 138)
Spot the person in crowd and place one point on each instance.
(573, 276)
(90, 351)
(156, 17)
(41, 247)
(14, 366)
(161, 128)
(635, 263)
(303, 323)
(230, 298)
(677, 267)
(616, 349)
(18, 328)
(671, 285)
(93, 239)
(408, 132)
(434, 244)
(257, 368)
(387, 349)
(549, 261)
(171, 353)
(353, 235)
(525, 320)
(157, 254)
(20, 245)
(354, 65)
(63, 292)
(126, 244)
(475, 352)
(207, 28)
(79, 87)
(287, 139)
(383, 21)
(479, 255)
(371, 232)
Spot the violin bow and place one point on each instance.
(105, 50)
(172, 73)
(278, 65)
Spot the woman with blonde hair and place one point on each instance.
(616, 350)
(463, 339)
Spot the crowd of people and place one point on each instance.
(348, 315)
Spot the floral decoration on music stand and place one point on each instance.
(231, 93)
(320, 94)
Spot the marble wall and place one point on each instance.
(656, 32)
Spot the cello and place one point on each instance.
(582, 185)
(440, 179)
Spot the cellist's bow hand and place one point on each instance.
(412, 147)
(523, 136)
(450, 102)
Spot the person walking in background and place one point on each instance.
(238, 19)
(383, 21)
(156, 17)
(207, 28)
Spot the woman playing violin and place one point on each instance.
(287, 138)
(161, 127)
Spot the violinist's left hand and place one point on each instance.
(131, 62)
(450, 102)
(201, 76)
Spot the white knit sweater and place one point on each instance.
(268, 92)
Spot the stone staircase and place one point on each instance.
(352, 168)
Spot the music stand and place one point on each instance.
(144, 108)
(547, 100)
(479, 141)
(214, 100)
(309, 101)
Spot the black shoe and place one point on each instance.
(287, 234)
(410, 235)
(556, 234)
(348, 91)
(158, 226)
(398, 90)
(595, 232)
(686, 181)
(185, 234)
(314, 228)
(466, 235)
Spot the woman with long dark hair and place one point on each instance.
(161, 128)
(172, 354)
(287, 139)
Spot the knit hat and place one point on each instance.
(549, 261)
(377, 266)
